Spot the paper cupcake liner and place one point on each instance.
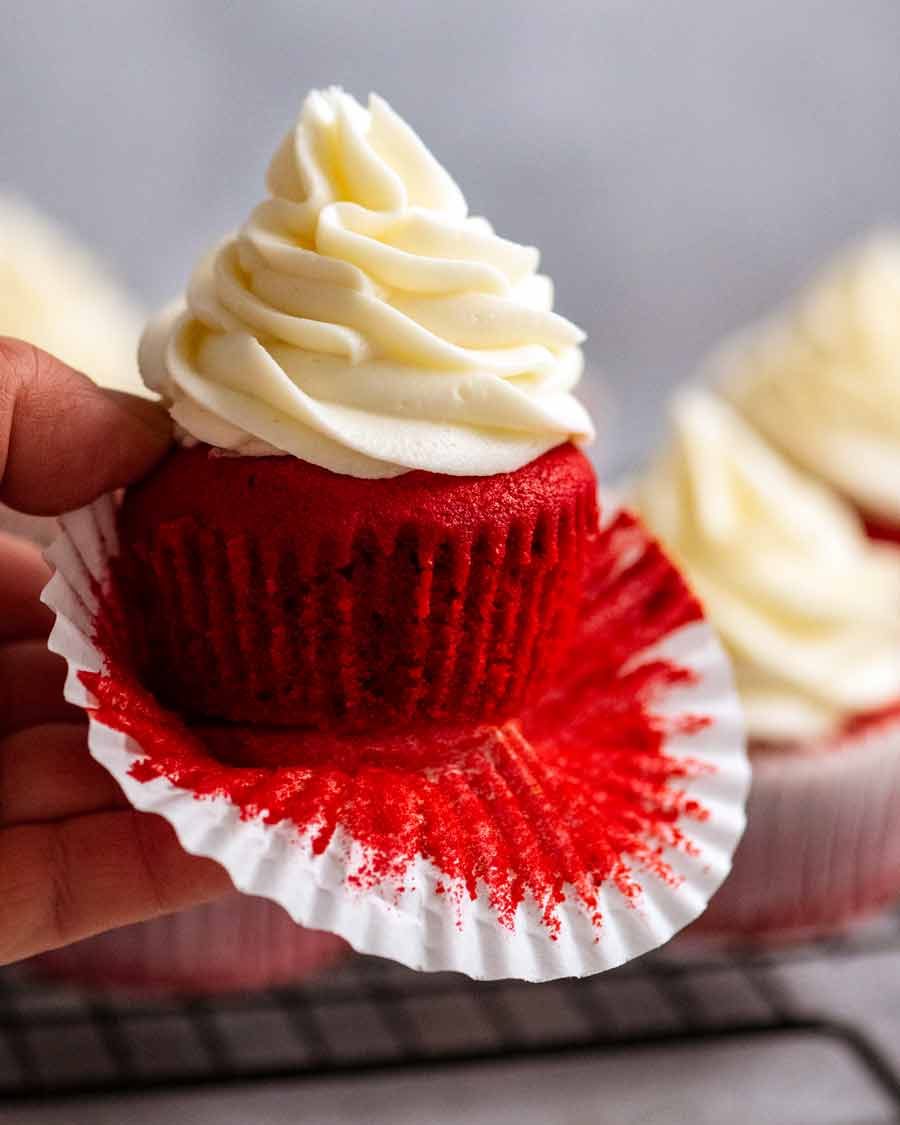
(822, 844)
(240, 942)
(561, 844)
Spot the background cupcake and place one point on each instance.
(56, 294)
(237, 943)
(807, 607)
(821, 380)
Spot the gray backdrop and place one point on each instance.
(680, 164)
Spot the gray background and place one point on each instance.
(681, 165)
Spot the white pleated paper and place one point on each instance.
(420, 928)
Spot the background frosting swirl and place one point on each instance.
(362, 321)
(808, 607)
(822, 380)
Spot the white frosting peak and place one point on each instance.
(807, 605)
(361, 320)
(822, 379)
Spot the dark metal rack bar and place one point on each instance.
(372, 1016)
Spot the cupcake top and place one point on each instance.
(808, 607)
(363, 321)
(822, 380)
(54, 294)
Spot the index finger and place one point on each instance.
(63, 440)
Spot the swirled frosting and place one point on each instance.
(363, 321)
(808, 607)
(822, 381)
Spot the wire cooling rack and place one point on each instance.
(372, 1016)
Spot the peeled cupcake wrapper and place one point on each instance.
(562, 843)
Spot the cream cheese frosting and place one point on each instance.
(363, 321)
(55, 294)
(822, 380)
(807, 605)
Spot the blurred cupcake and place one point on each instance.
(809, 610)
(821, 380)
(235, 944)
(55, 293)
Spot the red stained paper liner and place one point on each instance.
(582, 834)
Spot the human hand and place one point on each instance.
(75, 858)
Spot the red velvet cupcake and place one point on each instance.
(273, 591)
(399, 531)
(360, 639)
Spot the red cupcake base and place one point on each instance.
(267, 590)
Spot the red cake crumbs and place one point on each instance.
(576, 793)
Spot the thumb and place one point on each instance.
(63, 440)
